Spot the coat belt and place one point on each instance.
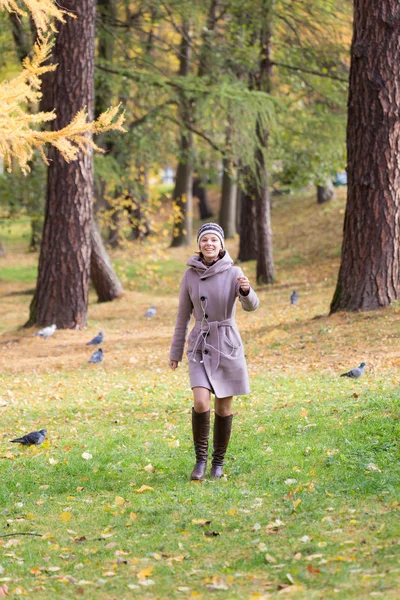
(211, 327)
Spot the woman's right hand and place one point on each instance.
(173, 364)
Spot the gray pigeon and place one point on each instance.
(96, 356)
(46, 332)
(150, 312)
(355, 373)
(96, 340)
(32, 439)
(294, 298)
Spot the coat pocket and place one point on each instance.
(231, 338)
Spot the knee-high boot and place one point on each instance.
(222, 434)
(201, 433)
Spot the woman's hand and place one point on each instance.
(174, 364)
(244, 284)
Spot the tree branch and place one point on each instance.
(309, 71)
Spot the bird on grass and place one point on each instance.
(294, 298)
(150, 312)
(96, 356)
(355, 373)
(96, 340)
(46, 332)
(34, 438)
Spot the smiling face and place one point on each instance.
(210, 245)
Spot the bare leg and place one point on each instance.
(201, 399)
(223, 406)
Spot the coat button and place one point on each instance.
(206, 351)
(202, 298)
(206, 316)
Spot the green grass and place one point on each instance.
(310, 505)
(313, 478)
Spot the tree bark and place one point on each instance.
(325, 192)
(227, 215)
(61, 295)
(265, 270)
(199, 190)
(369, 275)
(182, 195)
(104, 279)
(248, 230)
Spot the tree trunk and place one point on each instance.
(182, 195)
(369, 276)
(265, 270)
(265, 263)
(227, 215)
(325, 192)
(199, 190)
(248, 230)
(61, 295)
(104, 279)
(2, 251)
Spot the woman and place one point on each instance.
(217, 365)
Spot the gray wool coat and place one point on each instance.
(215, 350)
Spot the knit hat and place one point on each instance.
(209, 228)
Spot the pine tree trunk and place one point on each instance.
(265, 270)
(248, 229)
(227, 215)
(104, 279)
(369, 276)
(61, 295)
(199, 190)
(182, 195)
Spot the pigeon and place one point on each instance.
(294, 298)
(46, 332)
(96, 340)
(96, 356)
(150, 312)
(32, 439)
(355, 373)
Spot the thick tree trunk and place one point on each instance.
(199, 190)
(182, 195)
(104, 279)
(265, 270)
(227, 215)
(325, 192)
(248, 230)
(61, 295)
(369, 276)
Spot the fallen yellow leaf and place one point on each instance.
(144, 488)
(144, 573)
(119, 500)
(65, 517)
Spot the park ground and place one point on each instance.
(309, 507)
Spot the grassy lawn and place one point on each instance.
(309, 507)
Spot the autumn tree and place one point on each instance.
(369, 275)
(62, 288)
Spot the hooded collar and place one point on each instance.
(221, 265)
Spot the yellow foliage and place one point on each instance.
(18, 136)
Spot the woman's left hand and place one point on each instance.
(244, 283)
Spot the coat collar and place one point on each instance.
(221, 265)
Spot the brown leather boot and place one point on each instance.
(222, 434)
(201, 433)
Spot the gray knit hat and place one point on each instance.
(211, 228)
